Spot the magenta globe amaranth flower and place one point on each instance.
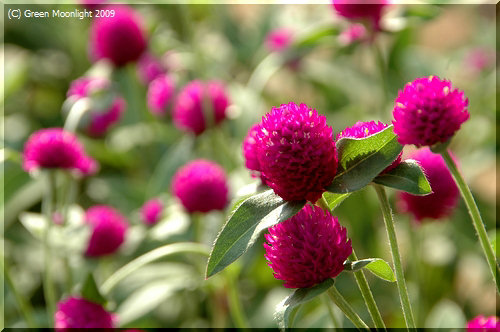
(365, 129)
(444, 197)
(201, 186)
(119, 38)
(76, 312)
(279, 40)
(250, 152)
(483, 324)
(160, 93)
(296, 152)
(429, 111)
(199, 105)
(355, 32)
(56, 148)
(149, 68)
(151, 211)
(308, 248)
(361, 9)
(108, 228)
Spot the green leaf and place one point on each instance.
(407, 176)
(246, 222)
(91, 292)
(300, 296)
(362, 159)
(334, 200)
(357, 265)
(493, 235)
(315, 37)
(381, 269)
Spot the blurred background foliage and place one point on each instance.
(446, 273)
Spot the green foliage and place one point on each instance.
(407, 176)
(90, 291)
(377, 266)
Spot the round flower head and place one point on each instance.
(56, 148)
(365, 129)
(160, 93)
(77, 312)
(483, 324)
(118, 38)
(201, 186)
(151, 211)
(355, 32)
(149, 68)
(108, 230)
(279, 40)
(308, 248)
(296, 152)
(444, 197)
(250, 152)
(190, 111)
(361, 9)
(428, 111)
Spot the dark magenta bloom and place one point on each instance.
(429, 111)
(279, 40)
(484, 324)
(250, 152)
(201, 186)
(296, 152)
(56, 148)
(365, 129)
(151, 211)
(361, 9)
(190, 112)
(149, 68)
(308, 248)
(160, 93)
(108, 230)
(119, 38)
(76, 312)
(444, 197)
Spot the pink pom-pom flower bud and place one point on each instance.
(308, 248)
(149, 68)
(279, 40)
(201, 186)
(108, 228)
(56, 148)
(200, 104)
(429, 111)
(296, 152)
(365, 129)
(151, 211)
(160, 93)
(79, 313)
(484, 324)
(444, 197)
(355, 32)
(119, 38)
(361, 9)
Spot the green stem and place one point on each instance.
(331, 312)
(368, 296)
(24, 306)
(339, 300)
(382, 69)
(235, 307)
(391, 234)
(475, 216)
(48, 286)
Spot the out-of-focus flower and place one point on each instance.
(279, 40)
(201, 186)
(160, 94)
(108, 228)
(80, 313)
(361, 9)
(119, 38)
(149, 68)
(484, 324)
(151, 211)
(429, 111)
(355, 32)
(308, 248)
(56, 148)
(199, 105)
(365, 129)
(296, 152)
(444, 197)
(479, 59)
(250, 152)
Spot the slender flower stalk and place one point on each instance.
(474, 214)
(331, 312)
(391, 234)
(339, 300)
(235, 307)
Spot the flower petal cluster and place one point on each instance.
(250, 152)
(76, 312)
(361, 9)
(56, 148)
(429, 111)
(296, 152)
(201, 186)
(160, 93)
(355, 32)
(365, 129)
(119, 38)
(279, 40)
(483, 324)
(308, 248)
(444, 197)
(149, 68)
(151, 211)
(108, 230)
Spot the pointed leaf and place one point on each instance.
(334, 200)
(381, 269)
(357, 265)
(246, 222)
(91, 292)
(300, 296)
(407, 176)
(362, 159)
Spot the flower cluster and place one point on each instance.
(279, 40)
(76, 312)
(483, 324)
(160, 93)
(151, 211)
(357, 9)
(108, 230)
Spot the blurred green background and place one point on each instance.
(447, 275)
